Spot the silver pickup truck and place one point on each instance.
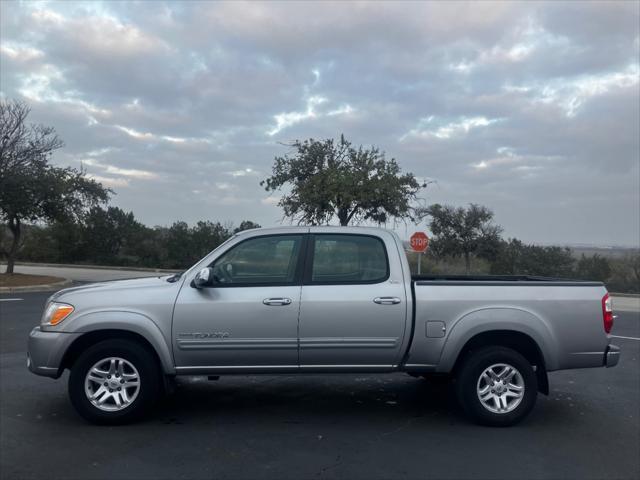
(320, 300)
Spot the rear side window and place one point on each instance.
(269, 260)
(343, 259)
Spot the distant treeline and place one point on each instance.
(513, 257)
(111, 236)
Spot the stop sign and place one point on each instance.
(419, 242)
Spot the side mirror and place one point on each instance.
(203, 278)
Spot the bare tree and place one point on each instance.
(30, 188)
(21, 144)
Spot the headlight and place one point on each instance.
(56, 312)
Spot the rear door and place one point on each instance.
(353, 309)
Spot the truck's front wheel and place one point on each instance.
(114, 381)
(496, 386)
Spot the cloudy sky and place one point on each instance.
(529, 108)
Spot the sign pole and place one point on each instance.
(419, 261)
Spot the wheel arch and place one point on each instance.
(493, 319)
(515, 340)
(507, 326)
(99, 326)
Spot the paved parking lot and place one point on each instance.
(321, 426)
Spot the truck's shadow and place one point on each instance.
(343, 400)
(352, 400)
(306, 399)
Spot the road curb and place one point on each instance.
(37, 288)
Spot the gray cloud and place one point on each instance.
(530, 108)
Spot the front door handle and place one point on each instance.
(386, 300)
(280, 301)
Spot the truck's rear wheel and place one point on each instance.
(114, 382)
(496, 386)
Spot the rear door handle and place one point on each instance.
(386, 300)
(280, 301)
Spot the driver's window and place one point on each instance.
(270, 260)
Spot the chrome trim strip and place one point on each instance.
(239, 344)
(236, 367)
(258, 367)
(349, 342)
(348, 366)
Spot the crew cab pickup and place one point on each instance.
(320, 300)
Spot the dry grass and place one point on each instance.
(21, 280)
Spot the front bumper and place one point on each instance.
(611, 356)
(45, 351)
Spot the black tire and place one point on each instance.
(474, 364)
(150, 381)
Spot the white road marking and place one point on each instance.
(628, 338)
(10, 299)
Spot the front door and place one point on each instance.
(249, 318)
(353, 309)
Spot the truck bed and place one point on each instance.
(565, 321)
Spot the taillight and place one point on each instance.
(607, 313)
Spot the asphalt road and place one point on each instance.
(320, 426)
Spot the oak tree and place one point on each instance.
(463, 232)
(324, 179)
